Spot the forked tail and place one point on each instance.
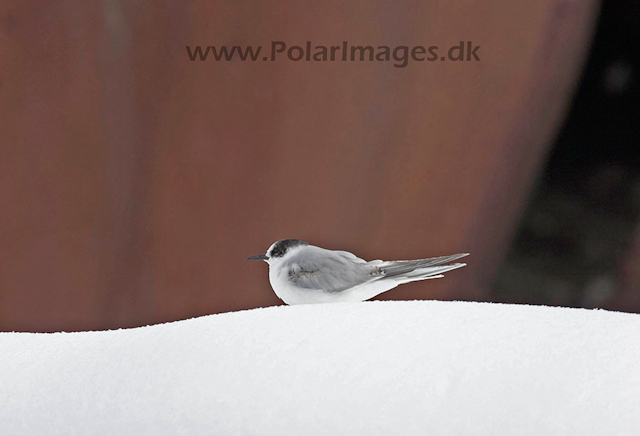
(421, 269)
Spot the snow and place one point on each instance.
(382, 367)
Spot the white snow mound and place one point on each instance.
(382, 367)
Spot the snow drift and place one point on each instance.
(410, 368)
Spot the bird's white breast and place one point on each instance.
(291, 294)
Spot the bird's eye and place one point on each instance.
(281, 247)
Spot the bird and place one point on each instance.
(301, 273)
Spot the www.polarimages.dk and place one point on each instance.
(345, 52)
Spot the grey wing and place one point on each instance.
(330, 271)
(404, 267)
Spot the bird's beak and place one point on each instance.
(258, 257)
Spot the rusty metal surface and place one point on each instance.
(133, 182)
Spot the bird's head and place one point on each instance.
(279, 251)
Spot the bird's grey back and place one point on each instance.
(331, 271)
(335, 271)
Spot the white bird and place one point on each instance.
(303, 274)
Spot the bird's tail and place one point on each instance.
(421, 269)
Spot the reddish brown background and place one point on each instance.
(134, 183)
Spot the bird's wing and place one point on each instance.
(396, 268)
(329, 271)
